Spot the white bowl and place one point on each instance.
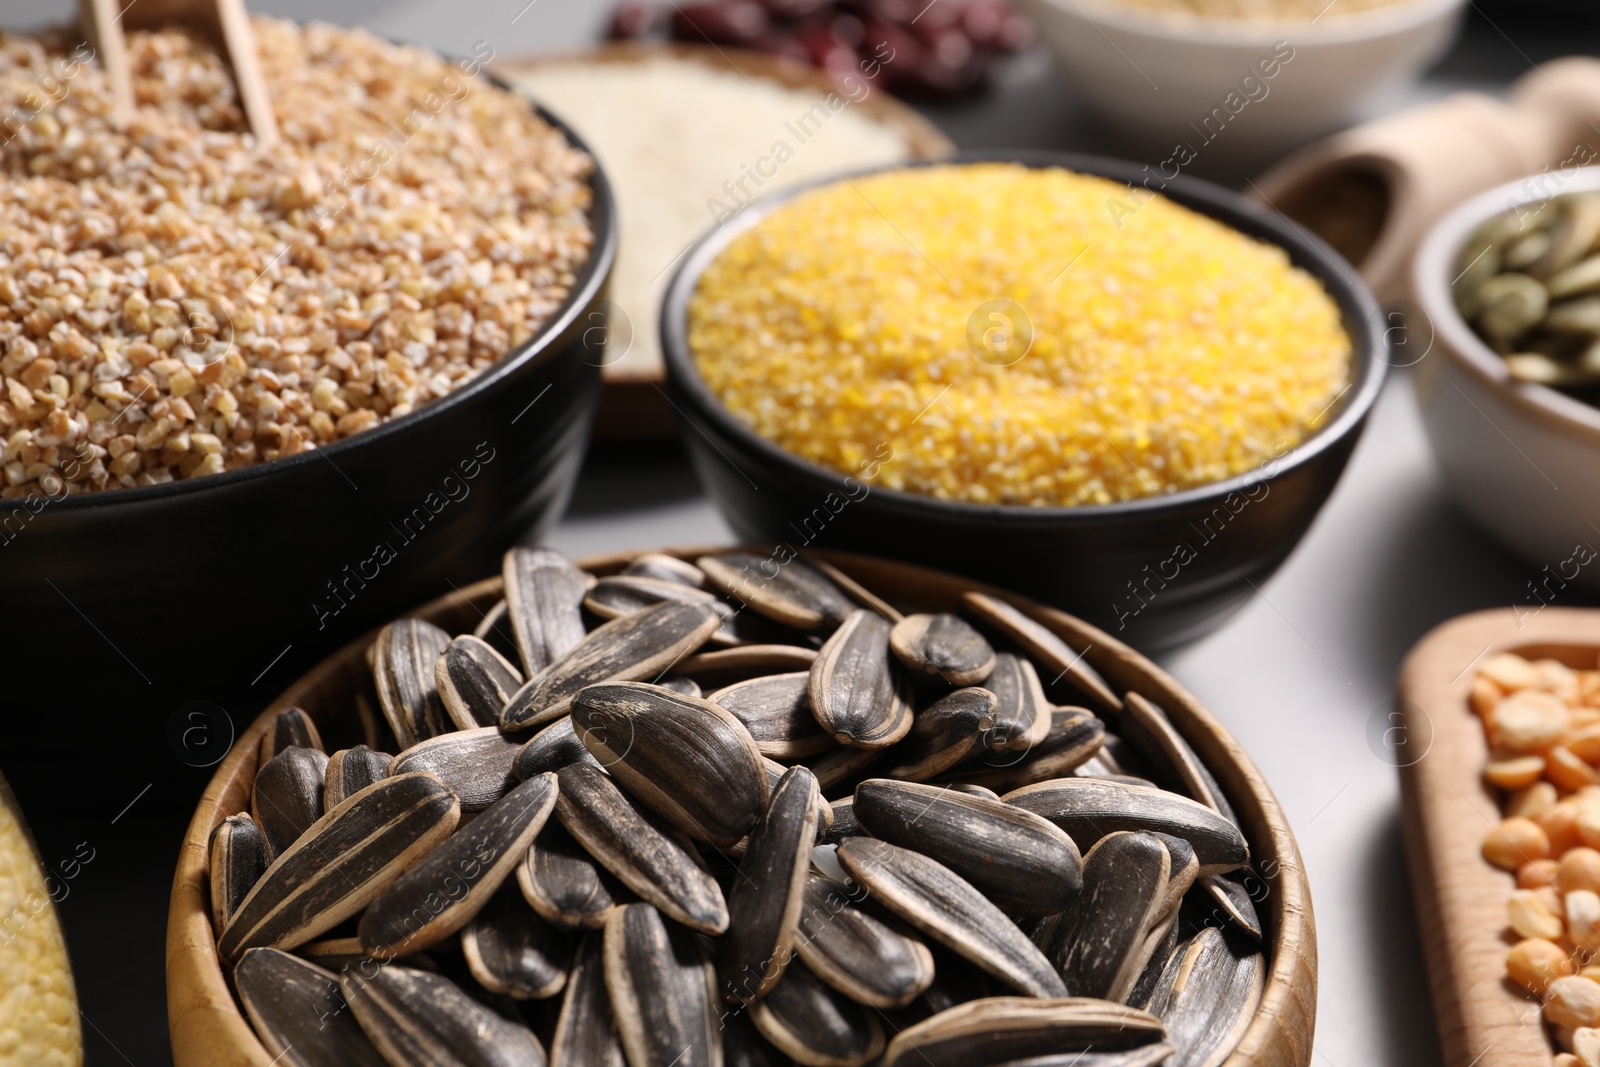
(1158, 78)
(1521, 459)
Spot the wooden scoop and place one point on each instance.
(104, 21)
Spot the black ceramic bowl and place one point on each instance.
(221, 588)
(1157, 571)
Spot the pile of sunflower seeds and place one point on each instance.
(731, 813)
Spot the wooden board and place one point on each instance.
(1484, 1020)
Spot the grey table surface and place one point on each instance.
(1300, 675)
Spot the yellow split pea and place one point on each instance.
(1168, 350)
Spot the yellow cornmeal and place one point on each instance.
(38, 1004)
(1168, 350)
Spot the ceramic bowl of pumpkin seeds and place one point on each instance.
(1508, 360)
(736, 807)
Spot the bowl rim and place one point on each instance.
(589, 284)
(1434, 262)
(1359, 310)
(1388, 20)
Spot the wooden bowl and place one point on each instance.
(1461, 901)
(208, 1029)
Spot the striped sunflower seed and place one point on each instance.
(298, 1013)
(544, 597)
(1146, 1056)
(858, 953)
(1229, 901)
(551, 749)
(663, 993)
(1147, 728)
(721, 667)
(238, 855)
(989, 1032)
(342, 863)
(639, 646)
(942, 735)
(1059, 661)
(562, 884)
(477, 764)
(815, 1025)
(1101, 944)
(665, 568)
(743, 1046)
(946, 907)
(332, 954)
(857, 691)
(844, 821)
(1185, 870)
(682, 686)
(291, 728)
(441, 893)
(654, 864)
(350, 770)
(795, 594)
(1075, 736)
(404, 655)
(955, 981)
(854, 590)
(495, 628)
(1207, 997)
(684, 758)
(287, 796)
(511, 951)
(1022, 714)
(416, 1017)
(619, 595)
(475, 682)
(1018, 860)
(776, 709)
(975, 790)
(764, 904)
(840, 765)
(586, 1033)
(942, 646)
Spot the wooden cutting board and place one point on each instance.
(1484, 1020)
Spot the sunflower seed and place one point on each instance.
(975, 790)
(776, 709)
(1166, 944)
(1207, 997)
(679, 684)
(722, 667)
(955, 981)
(375, 732)
(1022, 715)
(477, 765)
(342, 862)
(1185, 868)
(643, 645)
(663, 994)
(815, 1025)
(332, 954)
(942, 646)
(795, 594)
(857, 953)
(511, 950)
(839, 765)
(984, 1033)
(424, 1019)
(551, 749)
(1097, 947)
(619, 595)
(942, 735)
(686, 759)
(238, 856)
(666, 568)
(1230, 902)
(946, 907)
(1147, 728)
(1090, 808)
(544, 594)
(1074, 737)
(742, 1046)
(291, 728)
(298, 1013)
(844, 821)
(586, 1035)
(404, 655)
(1019, 861)
(495, 628)
(764, 904)
(1051, 652)
(350, 770)
(562, 884)
(654, 864)
(1147, 1056)
(474, 682)
(775, 772)
(441, 894)
(853, 589)
(857, 691)
(287, 796)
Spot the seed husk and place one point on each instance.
(685, 758)
(562, 884)
(654, 864)
(1184, 871)
(474, 682)
(1090, 808)
(298, 1013)
(797, 595)
(1075, 737)
(342, 863)
(510, 950)
(841, 764)
(495, 628)
(949, 909)
(764, 903)
(404, 654)
(620, 594)
(1230, 901)
(858, 693)
(551, 749)
(291, 728)
(942, 735)
(287, 796)
(679, 684)
(992, 1031)
(942, 646)
(423, 1019)
(332, 954)
(858, 953)
(586, 1035)
(1207, 997)
(1100, 946)
(238, 855)
(465, 871)
(721, 667)
(853, 589)
(1018, 860)
(477, 764)
(1022, 714)
(975, 790)
(814, 1024)
(1147, 1056)
(776, 709)
(544, 597)
(666, 568)
(743, 1046)
(1058, 660)
(350, 770)
(1148, 729)
(663, 993)
(639, 646)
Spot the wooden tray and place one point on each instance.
(208, 1029)
(1484, 1020)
